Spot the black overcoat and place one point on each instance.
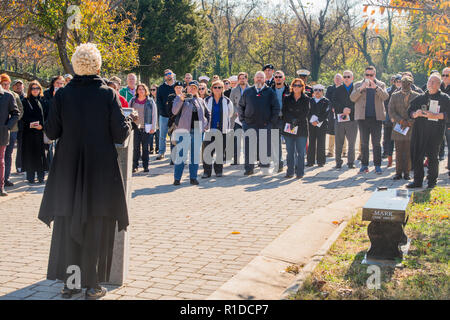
(84, 180)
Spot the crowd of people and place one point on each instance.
(84, 196)
(404, 116)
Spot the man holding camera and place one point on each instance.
(369, 96)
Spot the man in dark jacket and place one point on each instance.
(258, 110)
(9, 115)
(431, 112)
(388, 143)
(345, 125)
(164, 91)
(445, 88)
(281, 89)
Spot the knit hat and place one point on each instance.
(4, 78)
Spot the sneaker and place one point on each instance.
(3, 193)
(413, 185)
(95, 293)
(194, 182)
(176, 183)
(364, 169)
(378, 170)
(9, 183)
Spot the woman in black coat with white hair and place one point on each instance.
(84, 195)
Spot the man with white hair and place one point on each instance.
(258, 110)
(129, 92)
(431, 113)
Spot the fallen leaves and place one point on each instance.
(235, 232)
(336, 223)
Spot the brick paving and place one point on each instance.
(181, 241)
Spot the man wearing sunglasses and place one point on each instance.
(281, 88)
(369, 96)
(162, 96)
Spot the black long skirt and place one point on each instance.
(93, 257)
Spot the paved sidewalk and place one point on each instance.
(181, 240)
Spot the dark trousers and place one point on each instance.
(447, 137)
(370, 128)
(235, 155)
(280, 145)
(32, 174)
(218, 167)
(316, 146)
(431, 150)
(403, 157)
(19, 146)
(388, 143)
(154, 136)
(141, 139)
(8, 154)
(259, 134)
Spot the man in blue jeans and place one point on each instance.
(164, 91)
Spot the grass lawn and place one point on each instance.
(426, 271)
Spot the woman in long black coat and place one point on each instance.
(33, 149)
(84, 195)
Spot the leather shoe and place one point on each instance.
(67, 293)
(248, 173)
(9, 183)
(351, 166)
(288, 176)
(176, 183)
(413, 185)
(431, 185)
(397, 177)
(194, 182)
(219, 174)
(406, 177)
(95, 293)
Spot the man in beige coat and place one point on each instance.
(398, 112)
(369, 96)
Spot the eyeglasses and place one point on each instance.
(226, 83)
(152, 89)
(35, 88)
(446, 75)
(318, 90)
(201, 89)
(370, 75)
(297, 86)
(347, 77)
(167, 74)
(278, 77)
(217, 87)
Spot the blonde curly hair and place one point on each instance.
(86, 60)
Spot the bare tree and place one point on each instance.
(321, 33)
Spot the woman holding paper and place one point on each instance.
(33, 148)
(144, 104)
(402, 125)
(295, 112)
(318, 124)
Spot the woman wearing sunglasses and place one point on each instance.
(318, 124)
(295, 127)
(203, 91)
(34, 161)
(221, 110)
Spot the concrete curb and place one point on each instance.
(311, 266)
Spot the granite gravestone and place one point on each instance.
(387, 211)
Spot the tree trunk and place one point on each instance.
(61, 43)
